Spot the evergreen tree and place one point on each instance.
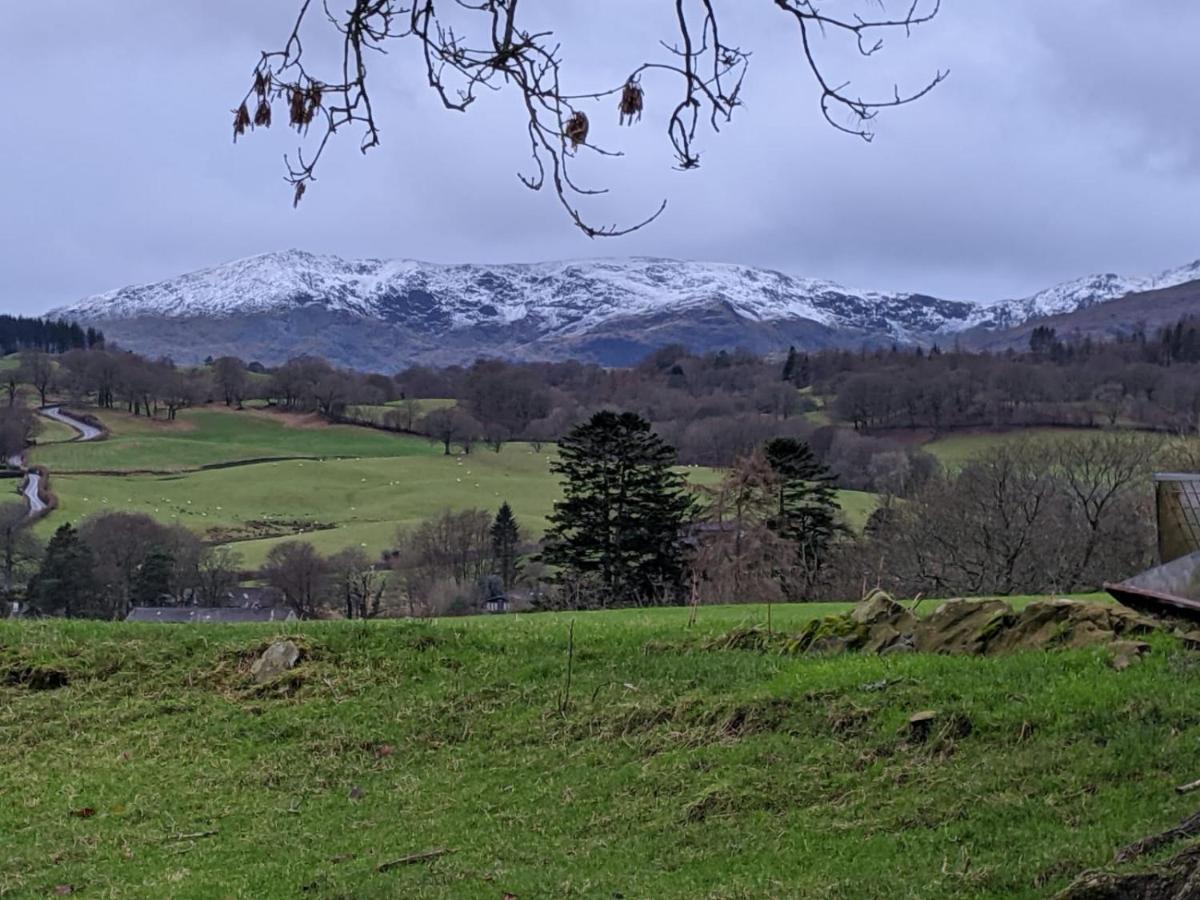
(789, 367)
(623, 508)
(64, 585)
(152, 581)
(506, 541)
(806, 503)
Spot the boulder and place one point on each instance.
(963, 626)
(880, 609)
(884, 637)
(1069, 624)
(280, 657)
(904, 644)
(1126, 653)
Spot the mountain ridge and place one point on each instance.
(384, 313)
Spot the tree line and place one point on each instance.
(47, 335)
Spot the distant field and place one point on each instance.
(210, 436)
(375, 413)
(365, 485)
(668, 771)
(365, 499)
(955, 449)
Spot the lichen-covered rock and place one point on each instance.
(280, 657)
(879, 608)
(963, 626)
(1070, 624)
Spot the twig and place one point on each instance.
(564, 700)
(193, 836)
(1187, 788)
(424, 856)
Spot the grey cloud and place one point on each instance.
(1062, 144)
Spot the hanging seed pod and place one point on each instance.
(241, 119)
(297, 108)
(313, 98)
(262, 115)
(577, 129)
(300, 188)
(262, 82)
(632, 100)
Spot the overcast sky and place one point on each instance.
(1066, 141)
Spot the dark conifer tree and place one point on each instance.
(506, 542)
(152, 581)
(623, 508)
(64, 585)
(789, 366)
(807, 512)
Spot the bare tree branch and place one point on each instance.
(708, 72)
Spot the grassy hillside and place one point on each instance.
(210, 436)
(354, 487)
(160, 769)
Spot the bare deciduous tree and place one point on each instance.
(300, 574)
(37, 368)
(740, 557)
(215, 575)
(359, 585)
(473, 46)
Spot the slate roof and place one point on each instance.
(202, 614)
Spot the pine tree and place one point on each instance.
(623, 508)
(789, 367)
(506, 542)
(64, 585)
(806, 503)
(152, 581)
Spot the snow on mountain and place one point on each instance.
(566, 298)
(1081, 293)
(391, 312)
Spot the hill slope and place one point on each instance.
(1148, 310)
(143, 761)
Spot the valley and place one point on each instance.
(226, 474)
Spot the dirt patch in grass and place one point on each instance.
(36, 678)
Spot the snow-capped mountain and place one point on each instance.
(1082, 293)
(375, 313)
(566, 298)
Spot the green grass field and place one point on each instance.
(363, 485)
(956, 449)
(204, 437)
(161, 770)
(375, 413)
(52, 432)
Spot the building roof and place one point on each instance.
(254, 597)
(202, 614)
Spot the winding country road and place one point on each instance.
(31, 486)
(86, 432)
